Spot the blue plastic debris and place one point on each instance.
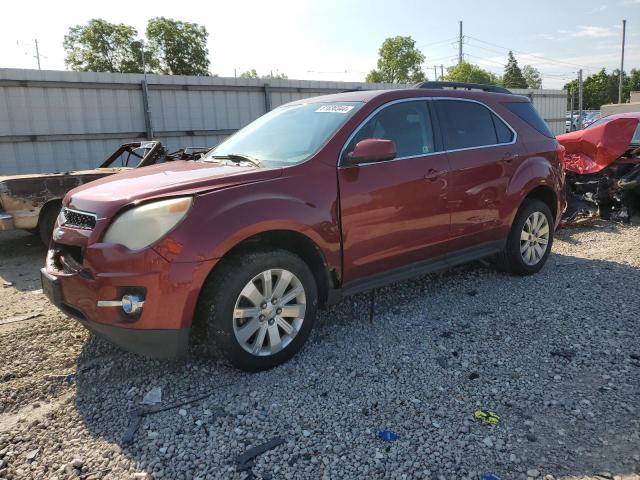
(489, 476)
(388, 436)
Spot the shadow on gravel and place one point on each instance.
(555, 355)
(19, 251)
(566, 233)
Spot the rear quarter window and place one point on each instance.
(469, 124)
(528, 113)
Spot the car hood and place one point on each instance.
(106, 196)
(593, 149)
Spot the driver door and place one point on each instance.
(394, 213)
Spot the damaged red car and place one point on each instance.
(318, 199)
(603, 169)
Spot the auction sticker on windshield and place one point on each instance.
(335, 108)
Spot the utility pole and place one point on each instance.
(441, 72)
(624, 28)
(145, 97)
(579, 99)
(38, 54)
(460, 37)
(572, 97)
(435, 73)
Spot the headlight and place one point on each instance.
(141, 226)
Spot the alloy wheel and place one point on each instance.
(269, 312)
(534, 238)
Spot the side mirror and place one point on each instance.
(370, 150)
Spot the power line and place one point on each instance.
(525, 53)
(572, 73)
(564, 76)
(496, 51)
(448, 40)
(450, 57)
(495, 62)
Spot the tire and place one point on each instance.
(520, 256)
(47, 221)
(223, 296)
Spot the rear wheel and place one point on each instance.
(530, 239)
(259, 308)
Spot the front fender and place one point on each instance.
(221, 220)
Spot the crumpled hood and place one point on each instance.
(593, 149)
(106, 196)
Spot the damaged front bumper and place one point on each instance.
(91, 282)
(602, 169)
(612, 193)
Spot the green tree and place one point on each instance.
(512, 74)
(254, 74)
(469, 73)
(595, 90)
(276, 76)
(179, 47)
(249, 74)
(632, 84)
(101, 46)
(399, 62)
(531, 76)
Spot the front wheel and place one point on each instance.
(530, 239)
(259, 308)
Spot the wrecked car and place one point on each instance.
(32, 202)
(602, 165)
(316, 200)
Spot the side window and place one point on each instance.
(408, 124)
(529, 114)
(505, 135)
(467, 124)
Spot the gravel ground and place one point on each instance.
(555, 355)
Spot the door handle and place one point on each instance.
(433, 174)
(509, 157)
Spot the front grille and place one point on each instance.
(76, 219)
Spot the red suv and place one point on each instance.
(317, 199)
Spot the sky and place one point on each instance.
(339, 39)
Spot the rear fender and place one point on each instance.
(534, 172)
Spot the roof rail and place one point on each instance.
(462, 86)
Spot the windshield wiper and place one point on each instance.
(239, 157)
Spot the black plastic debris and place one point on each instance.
(136, 415)
(246, 460)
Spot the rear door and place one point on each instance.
(483, 154)
(394, 213)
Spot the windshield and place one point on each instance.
(636, 136)
(289, 134)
